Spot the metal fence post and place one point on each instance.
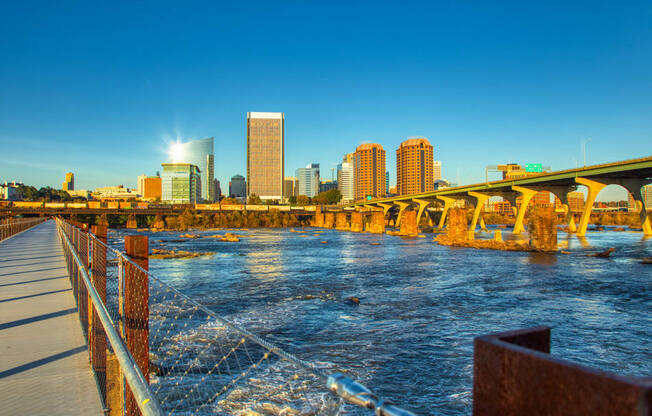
(98, 277)
(83, 291)
(136, 307)
(115, 385)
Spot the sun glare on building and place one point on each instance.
(177, 152)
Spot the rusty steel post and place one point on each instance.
(136, 307)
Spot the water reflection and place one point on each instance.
(545, 259)
(265, 261)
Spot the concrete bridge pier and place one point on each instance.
(594, 188)
(561, 192)
(633, 185)
(401, 209)
(526, 195)
(386, 208)
(448, 202)
(422, 207)
(480, 200)
(131, 222)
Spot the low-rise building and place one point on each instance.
(80, 193)
(9, 191)
(114, 192)
(180, 183)
(576, 201)
(149, 187)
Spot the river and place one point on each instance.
(411, 336)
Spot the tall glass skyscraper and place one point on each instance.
(199, 153)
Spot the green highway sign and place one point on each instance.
(533, 167)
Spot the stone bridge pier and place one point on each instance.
(357, 224)
(377, 223)
(342, 221)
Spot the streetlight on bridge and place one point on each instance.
(584, 142)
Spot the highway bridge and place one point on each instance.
(630, 174)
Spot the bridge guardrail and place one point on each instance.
(97, 325)
(201, 363)
(16, 226)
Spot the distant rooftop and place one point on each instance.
(415, 141)
(265, 115)
(368, 146)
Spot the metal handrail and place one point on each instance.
(17, 226)
(346, 388)
(147, 403)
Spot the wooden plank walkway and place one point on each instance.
(44, 367)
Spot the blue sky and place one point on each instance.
(102, 88)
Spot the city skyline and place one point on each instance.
(531, 92)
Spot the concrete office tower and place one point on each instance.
(308, 178)
(237, 187)
(345, 180)
(265, 155)
(414, 166)
(180, 183)
(436, 170)
(69, 183)
(369, 171)
(290, 187)
(199, 153)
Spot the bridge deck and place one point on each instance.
(44, 366)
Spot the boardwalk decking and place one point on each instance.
(44, 366)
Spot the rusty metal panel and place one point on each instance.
(514, 375)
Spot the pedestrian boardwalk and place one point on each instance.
(44, 367)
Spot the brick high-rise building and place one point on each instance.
(265, 155)
(369, 171)
(414, 167)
